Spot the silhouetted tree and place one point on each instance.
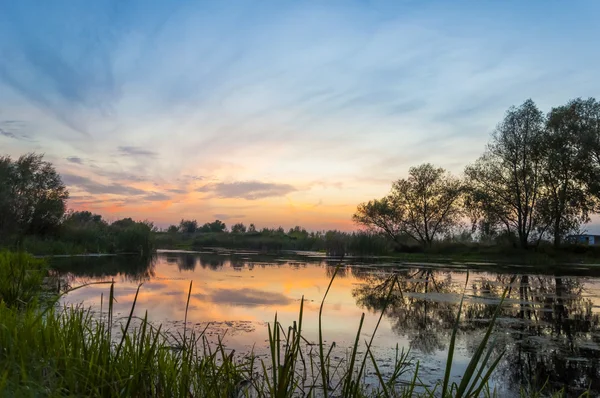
(32, 196)
(586, 125)
(423, 206)
(215, 226)
(506, 182)
(298, 233)
(238, 228)
(188, 226)
(565, 203)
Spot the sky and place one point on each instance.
(274, 113)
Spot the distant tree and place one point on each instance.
(172, 229)
(82, 218)
(217, 226)
(298, 233)
(423, 206)
(131, 236)
(252, 229)
(188, 226)
(123, 223)
(336, 244)
(204, 228)
(32, 196)
(506, 182)
(238, 228)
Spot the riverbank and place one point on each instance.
(373, 247)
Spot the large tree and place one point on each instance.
(32, 196)
(506, 182)
(585, 122)
(422, 206)
(565, 204)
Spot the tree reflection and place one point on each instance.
(187, 262)
(547, 324)
(135, 269)
(211, 261)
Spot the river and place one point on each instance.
(548, 326)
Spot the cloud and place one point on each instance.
(250, 190)
(177, 190)
(136, 151)
(8, 134)
(156, 196)
(11, 129)
(248, 297)
(75, 159)
(194, 178)
(119, 175)
(95, 188)
(223, 216)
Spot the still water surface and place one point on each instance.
(549, 324)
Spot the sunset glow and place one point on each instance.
(273, 113)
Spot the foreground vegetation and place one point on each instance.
(46, 350)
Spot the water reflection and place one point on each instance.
(133, 269)
(548, 325)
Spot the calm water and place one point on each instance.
(549, 324)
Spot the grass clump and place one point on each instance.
(74, 352)
(21, 277)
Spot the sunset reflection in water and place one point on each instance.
(547, 322)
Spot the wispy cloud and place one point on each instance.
(157, 197)
(14, 129)
(136, 151)
(224, 216)
(121, 176)
(250, 190)
(177, 190)
(75, 159)
(96, 188)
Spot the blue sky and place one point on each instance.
(287, 112)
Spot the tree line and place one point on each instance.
(34, 215)
(536, 180)
(188, 235)
(218, 226)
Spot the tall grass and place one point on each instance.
(21, 277)
(72, 351)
